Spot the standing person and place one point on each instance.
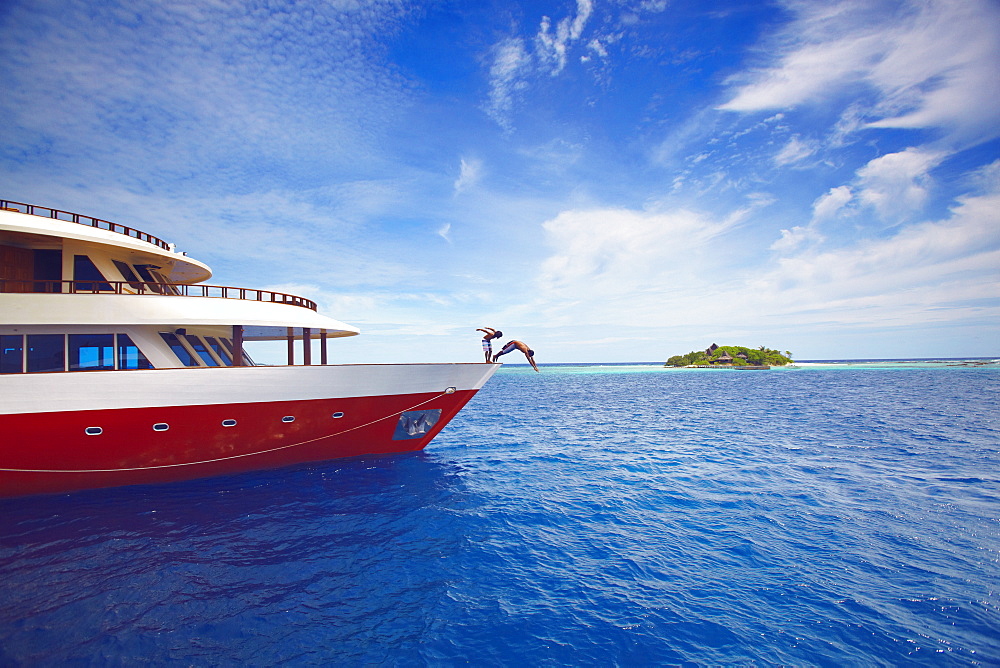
(518, 345)
(488, 341)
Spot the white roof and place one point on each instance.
(185, 269)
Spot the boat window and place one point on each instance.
(84, 271)
(168, 287)
(128, 274)
(220, 350)
(11, 353)
(182, 353)
(229, 347)
(143, 270)
(150, 274)
(147, 276)
(201, 350)
(48, 270)
(46, 352)
(129, 355)
(91, 352)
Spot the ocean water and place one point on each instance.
(582, 516)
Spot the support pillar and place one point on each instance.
(322, 347)
(291, 345)
(237, 345)
(307, 353)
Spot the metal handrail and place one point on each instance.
(98, 287)
(57, 214)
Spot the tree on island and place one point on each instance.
(731, 356)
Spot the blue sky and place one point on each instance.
(605, 180)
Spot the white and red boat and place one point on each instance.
(118, 366)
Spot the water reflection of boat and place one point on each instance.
(119, 366)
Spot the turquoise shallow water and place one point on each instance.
(586, 515)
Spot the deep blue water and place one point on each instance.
(618, 515)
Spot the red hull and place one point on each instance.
(52, 452)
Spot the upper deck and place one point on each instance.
(26, 227)
(61, 267)
(98, 223)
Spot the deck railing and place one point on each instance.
(47, 212)
(162, 289)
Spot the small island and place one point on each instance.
(716, 356)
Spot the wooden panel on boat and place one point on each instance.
(17, 268)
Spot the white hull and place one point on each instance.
(87, 391)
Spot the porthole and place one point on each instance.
(338, 414)
(93, 431)
(450, 390)
(161, 426)
(229, 423)
(288, 418)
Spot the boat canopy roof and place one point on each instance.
(183, 268)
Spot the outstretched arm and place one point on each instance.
(531, 358)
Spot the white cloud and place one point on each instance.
(794, 151)
(826, 206)
(598, 48)
(621, 265)
(795, 237)
(932, 265)
(511, 63)
(155, 89)
(805, 73)
(618, 250)
(897, 184)
(932, 64)
(941, 71)
(552, 45)
(469, 173)
(615, 267)
(444, 231)
(987, 178)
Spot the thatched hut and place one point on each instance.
(724, 358)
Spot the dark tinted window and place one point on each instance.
(85, 271)
(168, 287)
(220, 350)
(129, 355)
(202, 351)
(48, 270)
(127, 273)
(143, 270)
(182, 354)
(91, 352)
(11, 353)
(46, 352)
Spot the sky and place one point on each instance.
(605, 180)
